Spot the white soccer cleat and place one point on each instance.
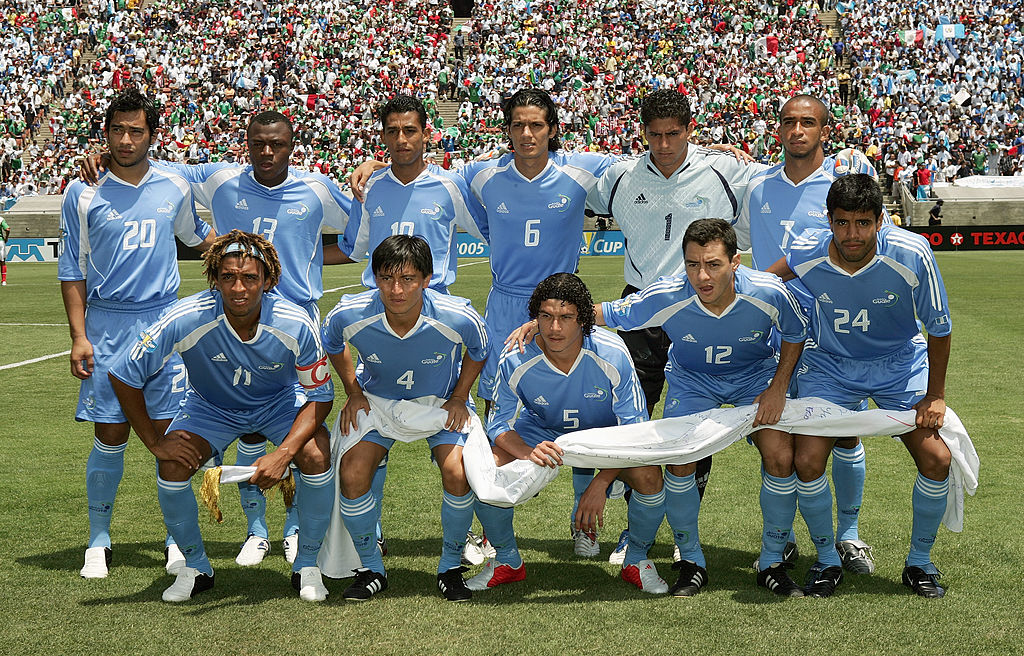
(174, 559)
(291, 547)
(618, 554)
(644, 575)
(585, 543)
(477, 550)
(494, 574)
(97, 561)
(253, 551)
(310, 584)
(188, 584)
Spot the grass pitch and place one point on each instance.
(567, 604)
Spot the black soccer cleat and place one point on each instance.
(777, 580)
(453, 586)
(367, 584)
(692, 579)
(822, 580)
(922, 583)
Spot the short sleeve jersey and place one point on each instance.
(431, 206)
(534, 226)
(600, 390)
(119, 237)
(654, 211)
(873, 312)
(283, 356)
(703, 342)
(426, 361)
(292, 216)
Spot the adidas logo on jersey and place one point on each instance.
(373, 358)
(824, 298)
(378, 211)
(540, 400)
(690, 338)
(113, 215)
(241, 205)
(640, 200)
(220, 357)
(766, 208)
(502, 209)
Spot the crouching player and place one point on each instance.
(871, 283)
(255, 365)
(410, 341)
(570, 378)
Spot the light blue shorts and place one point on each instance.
(895, 382)
(690, 392)
(505, 312)
(111, 328)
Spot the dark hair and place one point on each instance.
(401, 104)
(398, 250)
(535, 98)
(270, 117)
(665, 103)
(826, 118)
(132, 100)
(705, 231)
(857, 192)
(568, 288)
(249, 246)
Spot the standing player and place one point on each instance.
(119, 273)
(256, 366)
(5, 234)
(571, 378)
(719, 318)
(782, 203)
(410, 341)
(654, 199)
(871, 283)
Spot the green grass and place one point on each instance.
(566, 605)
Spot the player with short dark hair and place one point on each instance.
(256, 366)
(414, 344)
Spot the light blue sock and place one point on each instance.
(456, 518)
(181, 514)
(778, 510)
(644, 514)
(360, 517)
(497, 524)
(682, 508)
(377, 487)
(315, 515)
(815, 500)
(929, 501)
(291, 514)
(103, 472)
(254, 504)
(848, 473)
(581, 479)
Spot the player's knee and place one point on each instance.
(778, 464)
(112, 434)
(312, 459)
(847, 442)
(933, 459)
(682, 470)
(808, 465)
(355, 476)
(645, 480)
(172, 470)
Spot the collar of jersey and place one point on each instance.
(252, 176)
(682, 167)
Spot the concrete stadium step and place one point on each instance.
(448, 109)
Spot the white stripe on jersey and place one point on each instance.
(354, 328)
(462, 215)
(801, 269)
(521, 370)
(191, 339)
(326, 201)
(84, 200)
(180, 309)
(208, 189)
(484, 176)
(582, 177)
(925, 255)
(761, 279)
(450, 305)
(287, 340)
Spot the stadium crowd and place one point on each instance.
(211, 64)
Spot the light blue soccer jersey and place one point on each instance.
(702, 342)
(874, 311)
(119, 237)
(431, 206)
(285, 356)
(601, 389)
(291, 216)
(534, 226)
(425, 362)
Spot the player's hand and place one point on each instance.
(770, 404)
(81, 358)
(590, 511)
(353, 405)
(270, 469)
(178, 447)
(522, 336)
(458, 414)
(931, 411)
(90, 167)
(357, 179)
(738, 153)
(547, 454)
